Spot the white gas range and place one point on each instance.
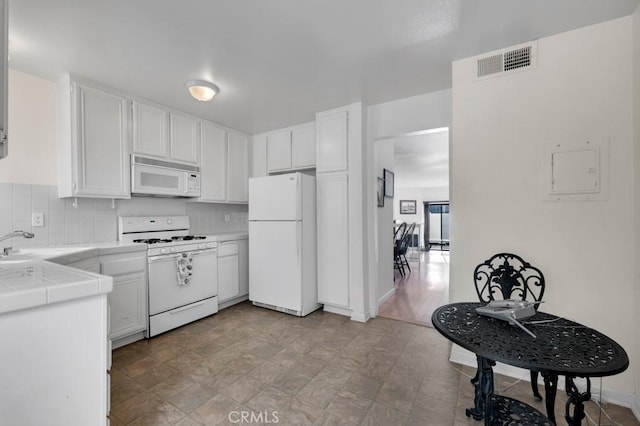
(182, 269)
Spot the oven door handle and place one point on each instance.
(153, 259)
(199, 252)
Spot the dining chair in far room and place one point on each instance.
(400, 255)
(508, 276)
(397, 246)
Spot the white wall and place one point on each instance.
(635, 361)
(384, 224)
(385, 122)
(32, 131)
(580, 90)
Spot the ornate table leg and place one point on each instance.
(483, 382)
(550, 390)
(577, 399)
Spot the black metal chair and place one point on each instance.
(508, 276)
(400, 247)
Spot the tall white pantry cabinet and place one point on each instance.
(332, 192)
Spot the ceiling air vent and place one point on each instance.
(510, 60)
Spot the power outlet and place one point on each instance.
(227, 217)
(37, 220)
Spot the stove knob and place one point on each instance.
(172, 249)
(163, 250)
(210, 245)
(201, 246)
(169, 221)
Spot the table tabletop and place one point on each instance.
(561, 346)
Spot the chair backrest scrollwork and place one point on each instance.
(508, 276)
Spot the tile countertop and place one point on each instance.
(229, 236)
(36, 276)
(30, 284)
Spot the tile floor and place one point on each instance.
(322, 369)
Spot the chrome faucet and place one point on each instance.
(17, 234)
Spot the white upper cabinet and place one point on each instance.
(279, 150)
(93, 142)
(259, 155)
(150, 127)
(238, 168)
(213, 165)
(292, 148)
(224, 165)
(303, 146)
(164, 134)
(332, 141)
(184, 141)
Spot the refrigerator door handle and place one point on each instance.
(298, 244)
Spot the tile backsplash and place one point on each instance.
(96, 220)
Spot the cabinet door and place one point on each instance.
(128, 300)
(243, 266)
(303, 146)
(150, 127)
(4, 78)
(237, 171)
(333, 239)
(127, 303)
(213, 163)
(102, 144)
(259, 155)
(279, 151)
(184, 142)
(332, 141)
(228, 278)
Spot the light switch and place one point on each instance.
(37, 220)
(227, 217)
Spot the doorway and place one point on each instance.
(437, 222)
(420, 163)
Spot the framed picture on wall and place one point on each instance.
(407, 206)
(380, 192)
(388, 183)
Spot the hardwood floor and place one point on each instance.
(421, 291)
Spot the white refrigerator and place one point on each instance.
(282, 243)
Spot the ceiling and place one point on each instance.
(277, 62)
(422, 160)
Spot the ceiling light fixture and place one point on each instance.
(202, 90)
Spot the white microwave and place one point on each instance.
(158, 177)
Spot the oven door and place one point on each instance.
(164, 291)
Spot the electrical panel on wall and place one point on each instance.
(576, 171)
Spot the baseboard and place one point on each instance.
(635, 407)
(123, 341)
(338, 310)
(360, 317)
(232, 302)
(465, 357)
(386, 296)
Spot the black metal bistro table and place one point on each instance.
(561, 347)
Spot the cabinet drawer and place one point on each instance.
(227, 248)
(123, 266)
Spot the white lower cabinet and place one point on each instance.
(333, 243)
(233, 272)
(128, 300)
(228, 271)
